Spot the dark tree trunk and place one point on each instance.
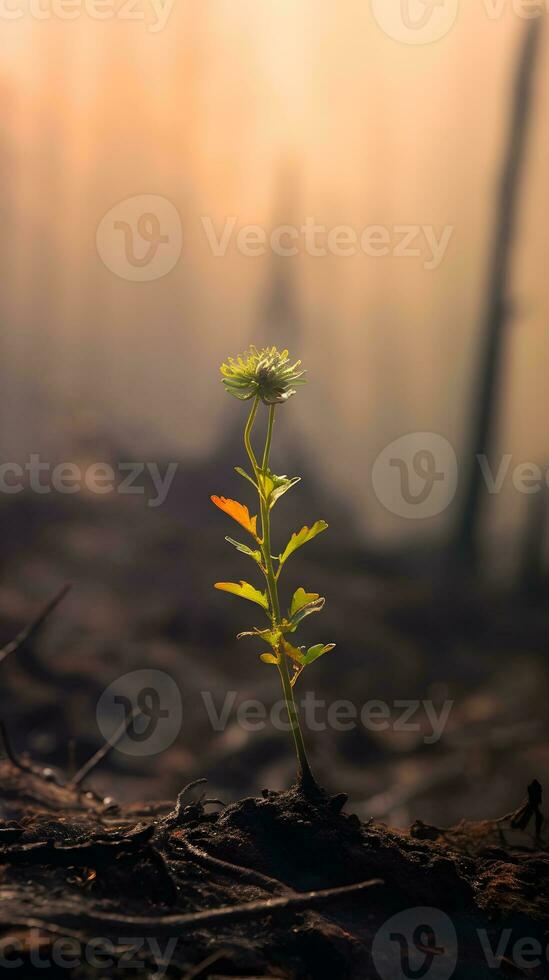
(483, 427)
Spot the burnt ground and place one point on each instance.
(275, 886)
(218, 889)
(142, 599)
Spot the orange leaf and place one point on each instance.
(239, 513)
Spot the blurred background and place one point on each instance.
(138, 144)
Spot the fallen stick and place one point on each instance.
(33, 626)
(247, 875)
(173, 924)
(103, 752)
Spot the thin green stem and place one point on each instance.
(305, 774)
(267, 558)
(247, 435)
(306, 777)
(269, 438)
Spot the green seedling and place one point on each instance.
(268, 377)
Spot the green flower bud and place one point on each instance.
(267, 374)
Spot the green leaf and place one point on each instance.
(295, 653)
(282, 485)
(245, 591)
(256, 555)
(241, 472)
(300, 538)
(268, 658)
(315, 606)
(313, 653)
(283, 488)
(273, 487)
(269, 636)
(266, 484)
(301, 598)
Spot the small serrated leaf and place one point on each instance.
(307, 610)
(302, 598)
(281, 487)
(245, 591)
(272, 487)
(299, 538)
(313, 653)
(239, 513)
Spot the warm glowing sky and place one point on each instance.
(207, 113)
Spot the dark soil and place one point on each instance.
(281, 885)
(205, 890)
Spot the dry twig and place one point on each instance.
(34, 626)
